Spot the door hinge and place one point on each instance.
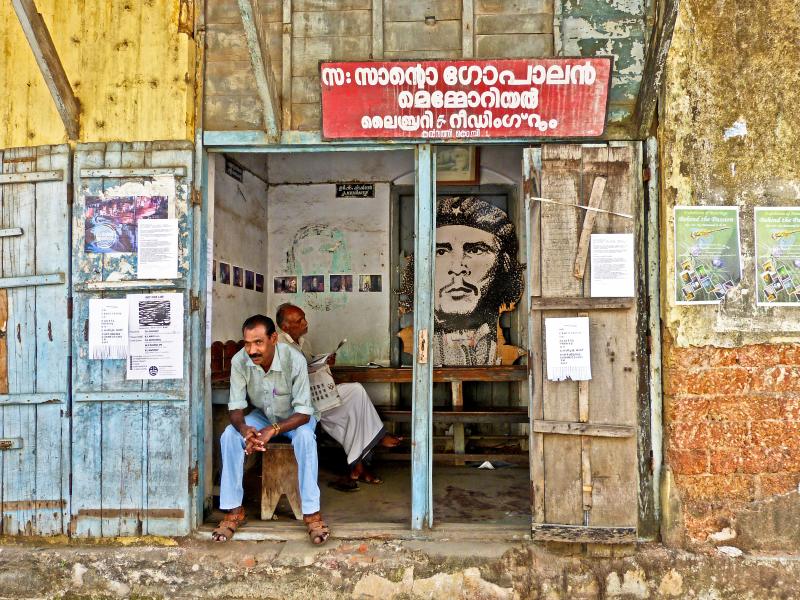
(194, 302)
(194, 477)
(649, 344)
(646, 174)
(197, 197)
(69, 308)
(70, 193)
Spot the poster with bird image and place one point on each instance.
(708, 260)
(777, 238)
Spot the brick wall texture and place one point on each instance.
(732, 420)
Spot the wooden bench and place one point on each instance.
(456, 415)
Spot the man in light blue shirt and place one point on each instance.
(274, 378)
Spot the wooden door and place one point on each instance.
(131, 439)
(34, 341)
(584, 465)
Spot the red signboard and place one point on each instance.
(465, 99)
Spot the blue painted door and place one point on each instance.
(34, 341)
(131, 439)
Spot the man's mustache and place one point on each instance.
(254, 355)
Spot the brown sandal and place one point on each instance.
(318, 530)
(228, 526)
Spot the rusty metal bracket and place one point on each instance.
(10, 443)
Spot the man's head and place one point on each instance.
(292, 320)
(260, 338)
(476, 262)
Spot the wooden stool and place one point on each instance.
(279, 477)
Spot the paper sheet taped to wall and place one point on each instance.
(155, 336)
(612, 273)
(567, 344)
(108, 328)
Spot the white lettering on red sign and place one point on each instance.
(465, 99)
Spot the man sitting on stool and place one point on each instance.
(275, 379)
(355, 424)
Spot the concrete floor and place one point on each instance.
(461, 494)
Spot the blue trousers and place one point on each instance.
(304, 443)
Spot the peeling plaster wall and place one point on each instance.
(729, 136)
(615, 28)
(731, 61)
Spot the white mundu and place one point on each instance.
(355, 424)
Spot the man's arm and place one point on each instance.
(237, 402)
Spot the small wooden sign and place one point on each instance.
(355, 190)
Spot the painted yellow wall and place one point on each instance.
(131, 69)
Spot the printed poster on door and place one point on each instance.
(708, 260)
(155, 336)
(111, 218)
(777, 256)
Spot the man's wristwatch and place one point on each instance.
(277, 428)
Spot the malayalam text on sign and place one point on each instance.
(465, 99)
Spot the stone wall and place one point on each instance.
(731, 372)
(733, 428)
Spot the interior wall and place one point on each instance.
(240, 239)
(311, 232)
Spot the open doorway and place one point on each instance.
(332, 233)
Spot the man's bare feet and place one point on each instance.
(390, 441)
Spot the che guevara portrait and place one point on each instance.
(477, 277)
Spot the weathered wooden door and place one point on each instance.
(34, 341)
(131, 439)
(584, 465)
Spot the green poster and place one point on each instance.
(777, 256)
(707, 253)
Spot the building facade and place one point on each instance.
(687, 425)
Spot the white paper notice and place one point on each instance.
(567, 343)
(108, 328)
(612, 265)
(155, 336)
(158, 249)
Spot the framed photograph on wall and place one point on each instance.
(457, 165)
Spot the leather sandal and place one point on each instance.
(228, 526)
(318, 530)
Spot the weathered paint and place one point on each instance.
(130, 67)
(710, 87)
(603, 28)
(336, 32)
(129, 443)
(728, 136)
(422, 403)
(34, 496)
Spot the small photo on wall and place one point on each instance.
(369, 283)
(238, 276)
(260, 282)
(213, 270)
(341, 283)
(285, 285)
(224, 273)
(313, 283)
(249, 280)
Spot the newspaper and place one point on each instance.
(320, 359)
